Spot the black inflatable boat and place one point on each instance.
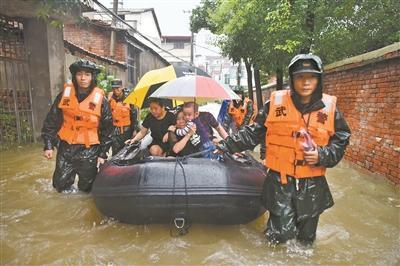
(195, 190)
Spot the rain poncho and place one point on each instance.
(118, 139)
(294, 207)
(75, 159)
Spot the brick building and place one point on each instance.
(74, 52)
(31, 70)
(94, 36)
(132, 57)
(368, 91)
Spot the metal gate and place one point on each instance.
(16, 117)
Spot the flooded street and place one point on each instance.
(40, 226)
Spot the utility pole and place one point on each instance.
(113, 32)
(239, 74)
(191, 39)
(191, 47)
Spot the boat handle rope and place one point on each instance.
(179, 222)
(182, 229)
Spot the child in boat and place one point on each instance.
(186, 144)
(181, 132)
(205, 122)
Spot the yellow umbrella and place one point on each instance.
(153, 79)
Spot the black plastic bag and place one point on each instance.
(130, 154)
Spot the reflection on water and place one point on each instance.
(40, 226)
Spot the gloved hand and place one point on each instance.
(221, 148)
(131, 141)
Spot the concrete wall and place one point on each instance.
(140, 19)
(147, 62)
(368, 91)
(146, 25)
(181, 53)
(45, 48)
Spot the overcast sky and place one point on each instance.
(170, 13)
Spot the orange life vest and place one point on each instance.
(81, 120)
(238, 114)
(121, 114)
(283, 142)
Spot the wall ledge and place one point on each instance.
(388, 52)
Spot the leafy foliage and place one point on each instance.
(104, 80)
(8, 128)
(200, 17)
(54, 10)
(270, 32)
(143, 113)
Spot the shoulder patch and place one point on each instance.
(97, 98)
(278, 99)
(67, 92)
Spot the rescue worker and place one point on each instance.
(125, 117)
(296, 191)
(239, 113)
(79, 124)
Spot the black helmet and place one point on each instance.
(305, 63)
(83, 64)
(238, 89)
(116, 83)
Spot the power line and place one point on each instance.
(206, 48)
(135, 30)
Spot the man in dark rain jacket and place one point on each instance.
(79, 123)
(125, 117)
(304, 134)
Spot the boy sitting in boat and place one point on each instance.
(205, 122)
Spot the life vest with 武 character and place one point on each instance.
(238, 114)
(120, 114)
(285, 141)
(81, 120)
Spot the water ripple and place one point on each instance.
(226, 255)
(15, 215)
(328, 233)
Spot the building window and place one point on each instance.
(131, 64)
(133, 23)
(227, 78)
(179, 45)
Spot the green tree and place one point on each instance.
(353, 27)
(200, 16)
(270, 32)
(55, 11)
(104, 80)
(224, 18)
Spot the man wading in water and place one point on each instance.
(296, 191)
(79, 124)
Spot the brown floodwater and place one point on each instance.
(40, 226)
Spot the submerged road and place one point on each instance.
(40, 226)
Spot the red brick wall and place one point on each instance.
(94, 39)
(369, 96)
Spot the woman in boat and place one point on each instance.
(158, 121)
(186, 144)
